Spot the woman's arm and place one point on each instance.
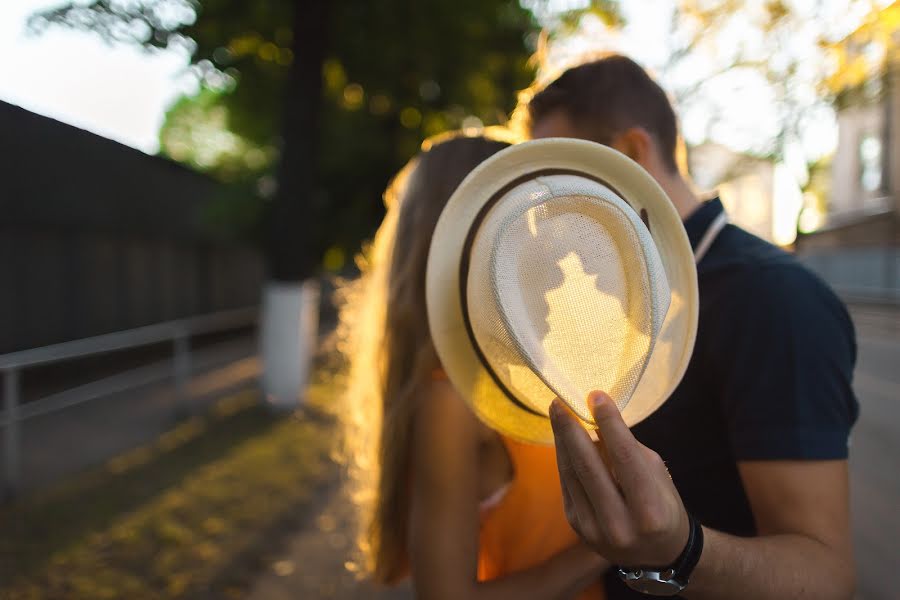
(444, 523)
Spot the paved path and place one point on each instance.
(312, 565)
(875, 454)
(315, 563)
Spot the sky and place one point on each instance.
(118, 92)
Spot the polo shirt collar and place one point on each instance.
(699, 221)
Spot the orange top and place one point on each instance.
(524, 524)
(528, 524)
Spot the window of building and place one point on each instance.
(870, 163)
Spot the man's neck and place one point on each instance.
(680, 193)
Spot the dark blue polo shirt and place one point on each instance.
(770, 377)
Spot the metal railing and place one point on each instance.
(178, 332)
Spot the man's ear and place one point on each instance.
(636, 143)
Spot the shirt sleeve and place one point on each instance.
(786, 368)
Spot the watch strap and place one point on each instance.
(670, 580)
(684, 565)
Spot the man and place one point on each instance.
(755, 436)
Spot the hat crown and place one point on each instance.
(464, 307)
(566, 292)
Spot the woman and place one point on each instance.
(464, 511)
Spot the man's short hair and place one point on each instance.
(605, 97)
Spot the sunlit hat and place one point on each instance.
(543, 280)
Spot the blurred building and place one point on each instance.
(855, 242)
(98, 237)
(758, 194)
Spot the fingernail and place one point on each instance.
(555, 407)
(595, 400)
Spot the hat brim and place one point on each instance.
(446, 320)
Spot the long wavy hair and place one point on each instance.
(386, 341)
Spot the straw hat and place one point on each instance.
(543, 280)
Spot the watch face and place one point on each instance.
(650, 582)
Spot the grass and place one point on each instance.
(186, 517)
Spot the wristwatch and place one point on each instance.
(670, 580)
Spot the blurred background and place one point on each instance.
(183, 182)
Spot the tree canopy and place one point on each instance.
(394, 73)
(398, 71)
(862, 58)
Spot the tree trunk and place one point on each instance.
(290, 304)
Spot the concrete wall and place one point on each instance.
(892, 128)
(748, 199)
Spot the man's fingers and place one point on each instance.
(624, 452)
(575, 501)
(601, 448)
(584, 464)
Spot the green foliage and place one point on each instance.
(396, 72)
(198, 130)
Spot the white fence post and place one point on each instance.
(11, 433)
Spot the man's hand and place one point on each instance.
(620, 499)
(618, 495)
